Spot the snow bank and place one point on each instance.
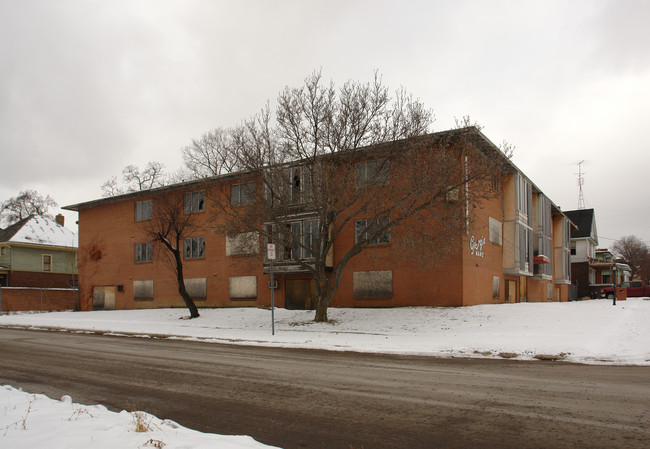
(33, 420)
(587, 331)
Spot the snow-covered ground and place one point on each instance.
(29, 421)
(585, 331)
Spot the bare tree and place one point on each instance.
(350, 159)
(466, 121)
(28, 202)
(211, 154)
(635, 252)
(171, 226)
(134, 179)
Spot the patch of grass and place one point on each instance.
(141, 420)
(21, 423)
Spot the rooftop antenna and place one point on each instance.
(581, 181)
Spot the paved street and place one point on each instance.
(317, 399)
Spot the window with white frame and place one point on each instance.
(194, 247)
(371, 172)
(143, 210)
(143, 252)
(194, 202)
(241, 194)
(47, 262)
(372, 233)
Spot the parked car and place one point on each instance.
(633, 288)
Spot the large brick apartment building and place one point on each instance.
(514, 247)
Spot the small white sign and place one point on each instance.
(270, 251)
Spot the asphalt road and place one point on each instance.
(317, 399)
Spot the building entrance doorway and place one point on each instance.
(300, 294)
(104, 298)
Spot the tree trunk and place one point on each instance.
(194, 311)
(321, 310)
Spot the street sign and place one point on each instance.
(270, 251)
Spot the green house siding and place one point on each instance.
(31, 259)
(6, 257)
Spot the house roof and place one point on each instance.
(471, 134)
(39, 230)
(584, 219)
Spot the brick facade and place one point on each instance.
(471, 273)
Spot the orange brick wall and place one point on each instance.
(108, 233)
(479, 269)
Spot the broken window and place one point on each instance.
(194, 247)
(194, 202)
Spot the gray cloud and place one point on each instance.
(87, 87)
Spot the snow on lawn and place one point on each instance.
(34, 420)
(586, 331)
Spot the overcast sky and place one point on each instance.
(87, 87)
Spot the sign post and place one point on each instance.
(270, 254)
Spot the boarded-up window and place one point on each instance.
(242, 287)
(373, 284)
(196, 288)
(496, 286)
(143, 289)
(244, 243)
(495, 231)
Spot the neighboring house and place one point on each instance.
(605, 264)
(38, 252)
(584, 241)
(514, 248)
